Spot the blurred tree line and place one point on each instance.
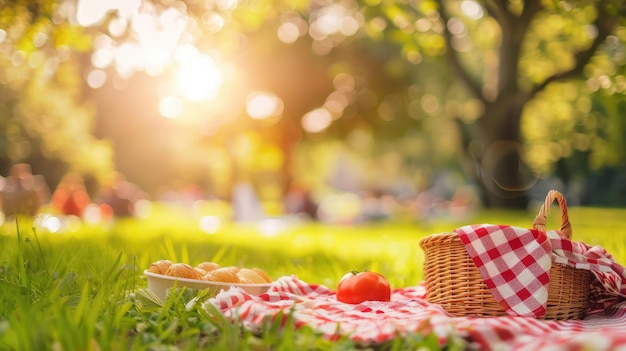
(44, 119)
(506, 92)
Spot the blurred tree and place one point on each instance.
(507, 54)
(43, 121)
(512, 94)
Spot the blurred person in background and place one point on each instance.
(298, 201)
(22, 192)
(70, 197)
(120, 195)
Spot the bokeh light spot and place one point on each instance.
(213, 21)
(92, 214)
(349, 26)
(96, 78)
(317, 120)
(271, 226)
(262, 105)
(430, 104)
(210, 224)
(472, 9)
(48, 223)
(118, 26)
(102, 57)
(171, 107)
(288, 32)
(143, 208)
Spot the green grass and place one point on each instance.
(85, 290)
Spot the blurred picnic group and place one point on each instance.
(27, 194)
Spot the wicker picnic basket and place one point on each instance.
(453, 281)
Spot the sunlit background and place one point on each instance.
(342, 111)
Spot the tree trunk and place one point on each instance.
(495, 147)
(497, 152)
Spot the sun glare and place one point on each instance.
(199, 78)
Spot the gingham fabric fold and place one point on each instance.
(515, 265)
(408, 313)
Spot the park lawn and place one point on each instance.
(85, 289)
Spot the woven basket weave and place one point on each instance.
(453, 281)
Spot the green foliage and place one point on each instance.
(59, 295)
(43, 118)
(491, 82)
(85, 289)
(507, 59)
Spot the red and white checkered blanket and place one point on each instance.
(515, 265)
(408, 311)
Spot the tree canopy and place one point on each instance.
(507, 91)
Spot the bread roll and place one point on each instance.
(183, 270)
(222, 275)
(160, 266)
(263, 275)
(208, 266)
(250, 276)
(235, 269)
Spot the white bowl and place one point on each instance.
(159, 283)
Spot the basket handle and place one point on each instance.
(540, 220)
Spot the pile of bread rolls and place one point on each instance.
(211, 271)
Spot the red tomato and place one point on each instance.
(364, 286)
